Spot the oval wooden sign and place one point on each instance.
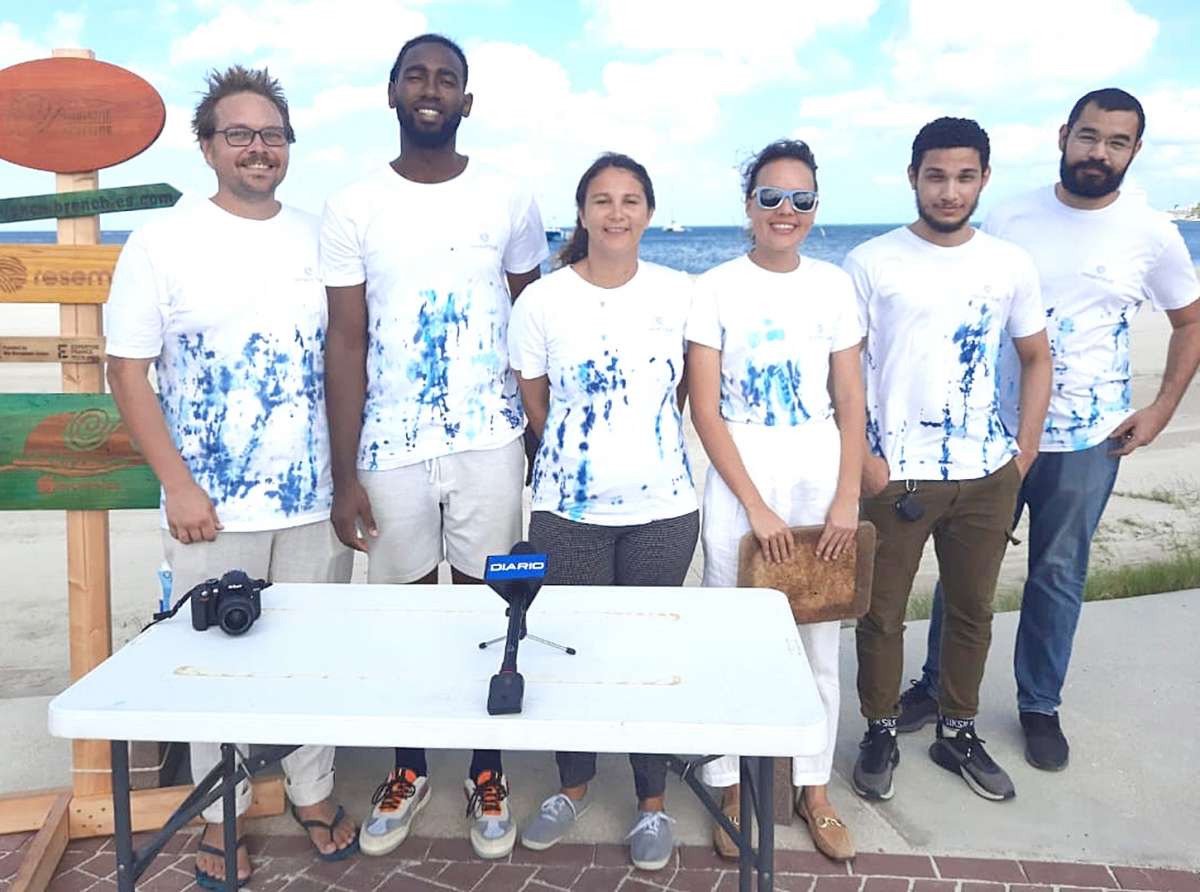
(69, 115)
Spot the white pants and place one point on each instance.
(308, 553)
(795, 470)
(463, 507)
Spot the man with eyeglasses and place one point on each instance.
(422, 261)
(934, 299)
(225, 299)
(1100, 254)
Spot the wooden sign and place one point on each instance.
(61, 274)
(69, 451)
(70, 114)
(85, 204)
(59, 349)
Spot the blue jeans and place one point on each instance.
(1066, 493)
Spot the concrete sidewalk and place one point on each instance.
(1127, 799)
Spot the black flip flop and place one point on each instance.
(206, 880)
(336, 854)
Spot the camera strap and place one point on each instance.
(167, 614)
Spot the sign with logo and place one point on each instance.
(515, 566)
(51, 349)
(69, 115)
(86, 204)
(60, 274)
(69, 451)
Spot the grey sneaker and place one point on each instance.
(918, 708)
(964, 755)
(555, 820)
(650, 842)
(878, 757)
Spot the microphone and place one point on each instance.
(516, 577)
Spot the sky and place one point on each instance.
(690, 89)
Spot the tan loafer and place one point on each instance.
(722, 841)
(829, 834)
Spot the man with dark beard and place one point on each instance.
(422, 261)
(1100, 255)
(934, 298)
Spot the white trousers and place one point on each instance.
(308, 553)
(795, 470)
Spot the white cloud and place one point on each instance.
(868, 109)
(1172, 116)
(331, 104)
(15, 48)
(748, 29)
(318, 34)
(66, 30)
(1022, 49)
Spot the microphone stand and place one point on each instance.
(508, 686)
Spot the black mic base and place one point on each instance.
(505, 693)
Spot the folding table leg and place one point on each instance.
(122, 819)
(766, 824)
(746, 857)
(229, 814)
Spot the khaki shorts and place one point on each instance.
(307, 553)
(460, 507)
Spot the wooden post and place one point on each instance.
(88, 577)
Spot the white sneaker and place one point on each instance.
(396, 801)
(493, 832)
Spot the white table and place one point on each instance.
(657, 670)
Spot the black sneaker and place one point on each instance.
(918, 708)
(877, 758)
(964, 755)
(1045, 746)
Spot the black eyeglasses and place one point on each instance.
(240, 137)
(804, 201)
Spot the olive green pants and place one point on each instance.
(970, 521)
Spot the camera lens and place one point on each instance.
(234, 615)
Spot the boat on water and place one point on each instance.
(555, 234)
(674, 227)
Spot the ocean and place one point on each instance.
(698, 249)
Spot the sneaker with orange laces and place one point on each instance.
(493, 832)
(396, 802)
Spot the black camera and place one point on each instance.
(232, 602)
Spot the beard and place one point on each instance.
(941, 225)
(1108, 182)
(428, 139)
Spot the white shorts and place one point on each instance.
(461, 507)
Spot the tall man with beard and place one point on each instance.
(934, 299)
(1100, 255)
(422, 261)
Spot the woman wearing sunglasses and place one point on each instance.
(598, 346)
(777, 399)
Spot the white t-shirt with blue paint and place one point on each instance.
(933, 317)
(235, 312)
(434, 257)
(612, 452)
(775, 332)
(1097, 269)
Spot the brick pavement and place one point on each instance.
(420, 865)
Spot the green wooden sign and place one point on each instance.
(87, 204)
(69, 451)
